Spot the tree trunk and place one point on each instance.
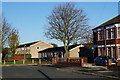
(66, 51)
(66, 54)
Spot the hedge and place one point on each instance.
(26, 55)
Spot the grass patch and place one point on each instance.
(17, 62)
(11, 62)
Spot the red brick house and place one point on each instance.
(107, 39)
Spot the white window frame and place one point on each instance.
(113, 53)
(112, 31)
(108, 34)
(108, 51)
(119, 52)
(98, 35)
(118, 33)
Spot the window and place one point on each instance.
(45, 55)
(95, 37)
(101, 35)
(109, 51)
(119, 32)
(119, 52)
(101, 51)
(108, 35)
(98, 35)
(113, 53)
(42, 55)
(28, 48)
(104, 52)
(113, 33)
(38, 47)
(22, 48)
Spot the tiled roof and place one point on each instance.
(57, 49)
(27, 44)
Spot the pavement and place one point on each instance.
(100, 71)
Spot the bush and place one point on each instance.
(26, 55)
(6, 56)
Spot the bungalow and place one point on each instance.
(33, 48)
(75, 51)
(107, 39)
(60, 52)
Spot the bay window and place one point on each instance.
(108, 34)
(113, 33)
(119, 52)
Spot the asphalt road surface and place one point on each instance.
(38, 72)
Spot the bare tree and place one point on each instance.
(88, 37)
(0, 40)
(13, 41)
(6, 31)
(67, 24)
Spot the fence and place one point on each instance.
(70, 61)
(22, 61)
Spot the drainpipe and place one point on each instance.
(105, 39)
(116, 35)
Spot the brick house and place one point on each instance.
(107, 39)
(33, 48)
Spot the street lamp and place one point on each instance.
(24, 54)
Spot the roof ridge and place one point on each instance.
(30, 43)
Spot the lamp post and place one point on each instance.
(24, 54)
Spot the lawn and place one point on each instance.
(18, 62)
(11, 62)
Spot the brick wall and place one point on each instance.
(70, 61)
(16, 57)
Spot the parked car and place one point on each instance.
(103, 60)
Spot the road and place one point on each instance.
(40, 73)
